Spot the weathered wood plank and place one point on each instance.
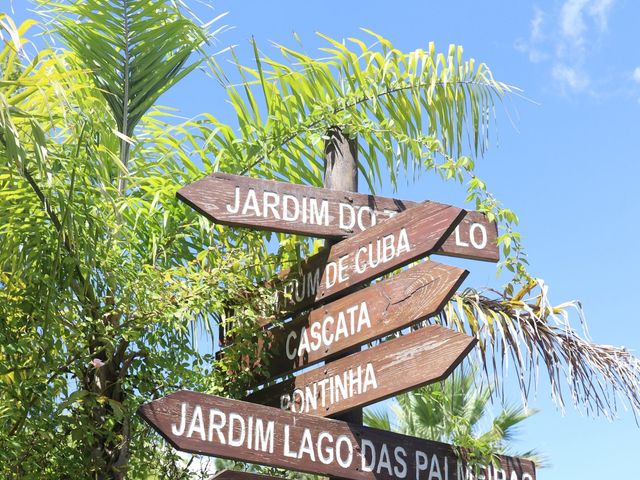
(235, 475)
(221, 427)
(291, 208)
(339, 268)
(363, 316)
(421, 357)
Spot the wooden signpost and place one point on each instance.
(412, 295)
(290, 208)
(423, 356)
(378, 235)
(409, 236)
(211, 425)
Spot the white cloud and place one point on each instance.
(535, 55)
(570, 77)
(636, 74)
(536, 35)
(572, 19)
(565, 37)
(573, 13)
(537, 24)
(600, 10)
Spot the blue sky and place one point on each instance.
(565, 159)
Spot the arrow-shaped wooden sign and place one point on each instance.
(290, 208)
(211, 425)
(412, 295)
(409, 236)
(421, 357)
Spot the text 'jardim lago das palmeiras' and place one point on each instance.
(259, 434)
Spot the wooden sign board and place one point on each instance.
(290, 208)
(211, 425)
(235, 475)
(421, 357)
(409, 236)
(363, 316)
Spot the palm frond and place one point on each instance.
(452, 411)
(135, 49)
(410, 105)
(525, 331)
(378, 418)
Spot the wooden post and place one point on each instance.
(341, 173)
(340, 162)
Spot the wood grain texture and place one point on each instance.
(220, 427)
(235, 475)
(410, 296)
(340, 161)
(393, 367)
(327, 213)
(339, 268)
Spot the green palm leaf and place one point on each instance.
(135, 49)
(454, 411)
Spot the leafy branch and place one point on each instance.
(526, 331)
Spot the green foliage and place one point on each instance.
(361, 92)
(414, 112)
(455, 411)
(135, 50)
(102, 293)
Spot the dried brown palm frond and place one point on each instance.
(529, 331)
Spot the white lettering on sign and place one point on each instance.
(236, 424)
(280, 207)
(336, 272)
(331, 390)
(370, 213)
(376, 253)
(392, 463)
(488, 472)
(344, 461)
(349, 216)
(325, 332)
(241, 431)
(301, 209)
(433, 467)
(476, 235)
(325, 453)
(234, 430)
(297, 290)
(178, 432)
(197, 424)
(384, 250)
(347, 211)
(321, 447)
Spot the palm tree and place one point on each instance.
(454, 411)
